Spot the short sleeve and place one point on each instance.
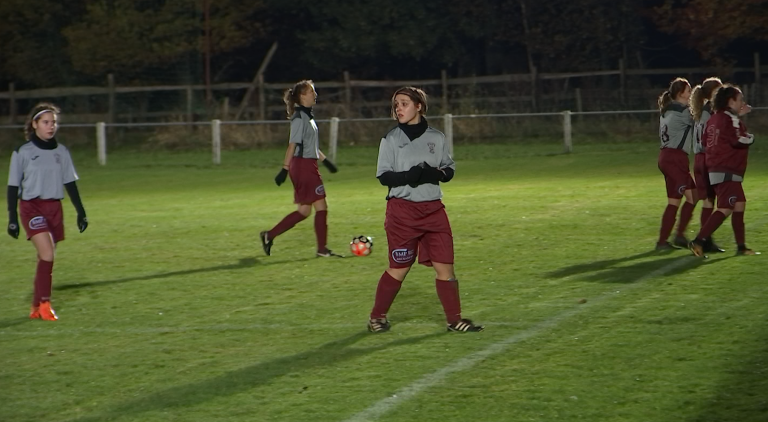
(68, 173)
(16, 171)
(297, 130)
(386, 158)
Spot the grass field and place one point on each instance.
(169, 310)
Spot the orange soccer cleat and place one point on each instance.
(34, 313)
(46, 312)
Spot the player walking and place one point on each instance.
(39, 171)
(413, 160)
(301, 163)
(701, 110)
(727, 143)
(675, 126)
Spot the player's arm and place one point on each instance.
(283, 173)
(743, 139)
(14, 181)
(385, 169)
(326, 162)
(74, 197)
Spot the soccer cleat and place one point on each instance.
(744, 250)
(464, 325)
(680, 241)
(328, 254)
(34, 313)
(378, 325)
(711, 246)
(697, 247)
(46, 312)
(266, 243)
(665, 246)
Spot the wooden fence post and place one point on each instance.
(758, 86)
(347, 95)
(262, 99)
(444, 80)
(534, 88)
(579, 107)
(189, 107)
(111, 100)
(12, 102)
(622, 82)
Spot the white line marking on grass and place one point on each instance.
(383, 406)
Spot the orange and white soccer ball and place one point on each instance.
(361, 245)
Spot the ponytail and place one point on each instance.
(697, 102)
(664, 99)
(676, 87)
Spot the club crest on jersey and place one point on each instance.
(58, 158)
(431, 146)
(681, 189)
(732, 200)
(320, 190)
(38, 223)
(403, 256)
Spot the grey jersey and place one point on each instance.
(304, 134)
(698, 128)
(675, 126)
(398, 153)
(41, 173)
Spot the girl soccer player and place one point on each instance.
(413, 161)
(701, 110)
(301, 163)
(727, 142)
(40, 169)
(675, 126)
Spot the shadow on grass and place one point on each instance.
(666, 267)
(742, 397)
(242, 263)
(589, 267)
(13, 322)
(249, 377)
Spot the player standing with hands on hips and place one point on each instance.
(728, 145)
(301, 163)
(40, 170)
(675, 132)
(413, 160)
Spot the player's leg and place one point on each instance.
(287, 223)
(667, 224)
(321, 229)
(41, 301)
(726, 201)
(737, 222)
(686, 212)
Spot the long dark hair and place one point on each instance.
(676, 87)
(417, 95)
(701, 94)
(35, 114)
(291, 96)
(723, 95)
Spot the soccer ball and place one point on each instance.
(361, 245)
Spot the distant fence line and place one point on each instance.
(531, 92)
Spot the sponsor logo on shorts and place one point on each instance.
(320, 190)
(732, 200)
(403, 256)
(431, 146)
(681, 189)
(38, 223)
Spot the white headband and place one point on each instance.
(40, 113)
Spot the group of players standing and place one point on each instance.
(707, 121)
(413, 161)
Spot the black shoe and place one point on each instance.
(464, 325)
(266, 243)
(378, 325)
(328, 254)
(665, 246)
(744, 250)
(697, 247)
(681, 242)
(711, 246)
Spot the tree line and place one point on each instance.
(52, 43)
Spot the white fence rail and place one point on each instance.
(335, 122)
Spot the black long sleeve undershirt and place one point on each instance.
(74, 196)
(13, 201)
(394, 179)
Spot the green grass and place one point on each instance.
(170, 311)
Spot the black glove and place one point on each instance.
(280, 178)
(327, 163)
(82, 222)
(413, 175)
(431, 175)
(13, 226)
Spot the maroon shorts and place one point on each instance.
(42, 216)
(307, 184)
(729, 193)
(673, 164)
(418, 229)
(703, 189)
